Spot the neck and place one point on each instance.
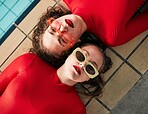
(64, 77)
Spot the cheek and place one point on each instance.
(75, 33)
(46, 40)
(70, 63)
(86, 78)
(83, 77)
(71, 59)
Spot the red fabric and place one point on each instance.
(111, 19)
(30, 86)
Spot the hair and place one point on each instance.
(40, 28)
(93, 87)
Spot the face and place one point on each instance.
(62, 33)
(79, 69)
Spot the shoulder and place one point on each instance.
(24, 60)
(26, 57)
(19, 64)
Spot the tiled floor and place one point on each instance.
(130, 61)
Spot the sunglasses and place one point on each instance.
(89, 68)
(66, 36)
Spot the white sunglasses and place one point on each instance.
(89, 68)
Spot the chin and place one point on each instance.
(74, 78)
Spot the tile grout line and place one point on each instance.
(21, 30)
(114, 73)
(103, 104)
(137, 47)
(90, 99)
(10, 9)
(26, 36)
(125, 60)
(18, 17)
(31, 29)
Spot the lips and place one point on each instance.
(77, 69)
(69, 22)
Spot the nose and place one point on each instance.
(63, 28)
(82, 64)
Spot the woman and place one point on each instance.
(31, 86)
(111, 21)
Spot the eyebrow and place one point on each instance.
(93, 62)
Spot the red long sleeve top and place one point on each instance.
(111, 19)
(30, 86)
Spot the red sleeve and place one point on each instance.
(13, 70)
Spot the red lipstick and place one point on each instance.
(69, 22)
(77, 69)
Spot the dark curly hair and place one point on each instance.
(40, 28)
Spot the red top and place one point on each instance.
(30, 86)
(110, 19)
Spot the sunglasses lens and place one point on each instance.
(80, 56)
(90, 69)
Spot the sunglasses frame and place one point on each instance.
(86, 63)
(71, 43)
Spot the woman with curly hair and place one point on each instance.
(58, 29)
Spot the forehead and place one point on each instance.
(91, 48)
(94, 54)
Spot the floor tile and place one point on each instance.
(119, 85)
(94, 107)
(140, 58)
(32, 18)
(23, 48)
(10, 44)
(125, 50)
